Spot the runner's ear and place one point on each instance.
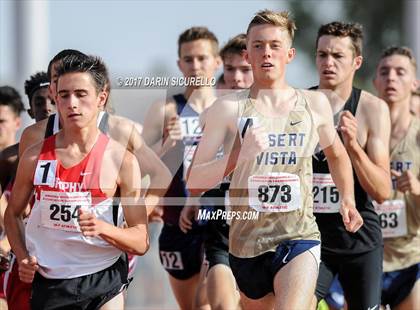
(102, 96)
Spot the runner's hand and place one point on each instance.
(255, 141)
(351, 217)
(348, 129)
(407, 182)
(27, 268)
(89, 224)
(185, 218)
(173, 130)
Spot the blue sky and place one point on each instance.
(134, 37)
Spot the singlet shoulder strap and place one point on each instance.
(49, 130)
(180, 101)
(103, 125)
(353, 102)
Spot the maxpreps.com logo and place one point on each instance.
(226, 215)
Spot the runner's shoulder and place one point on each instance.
(31, 154)
(316, 99)
(32, 134)
(37, 129)
(10, 153)
(228, 104)
(371, 105)
(165, 108)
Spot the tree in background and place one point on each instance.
(382, 24)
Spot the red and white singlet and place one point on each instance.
(52, 232)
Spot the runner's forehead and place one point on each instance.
(334, 44)
(395, 62)
(196, 48)
(268, 33)
(75, 81)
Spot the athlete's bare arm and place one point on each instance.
(133, 239)
(372, 166)
(161, 127)
(127, 133)
(4, 243)
(338, 160)
(160, 177)
(8, 165)
(32, 135)
(408, 182)
(15, 211)
(219, 130)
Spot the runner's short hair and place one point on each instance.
(10, 97)
(86, 64)
(339, 29)
(281, 19)
(235, 46)
(35, 82)
(402, 51)
(61, 55)
(198, 33)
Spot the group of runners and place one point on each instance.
(271, 197)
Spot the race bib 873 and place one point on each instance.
(275, 192)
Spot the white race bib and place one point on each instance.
(326, 196)
(189, 151)
(45, 172)
(59, 210)
(190, 127)
(392, 217)
(171, 260)
(276, 192)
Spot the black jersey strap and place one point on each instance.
(180, 101)
(49, 130)
(353, 101)
(115, 206)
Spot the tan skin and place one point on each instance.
(78, 103)
(126, 132)
(415, 103)
(395, 80)
(221, 285)
(237, 71)
(9, 125)
(268, 52)
(41, 107)
(162, 131)
(365, 136)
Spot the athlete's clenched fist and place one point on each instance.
(255, 141)
(351, 217)
(89, 224)
(27, 268)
